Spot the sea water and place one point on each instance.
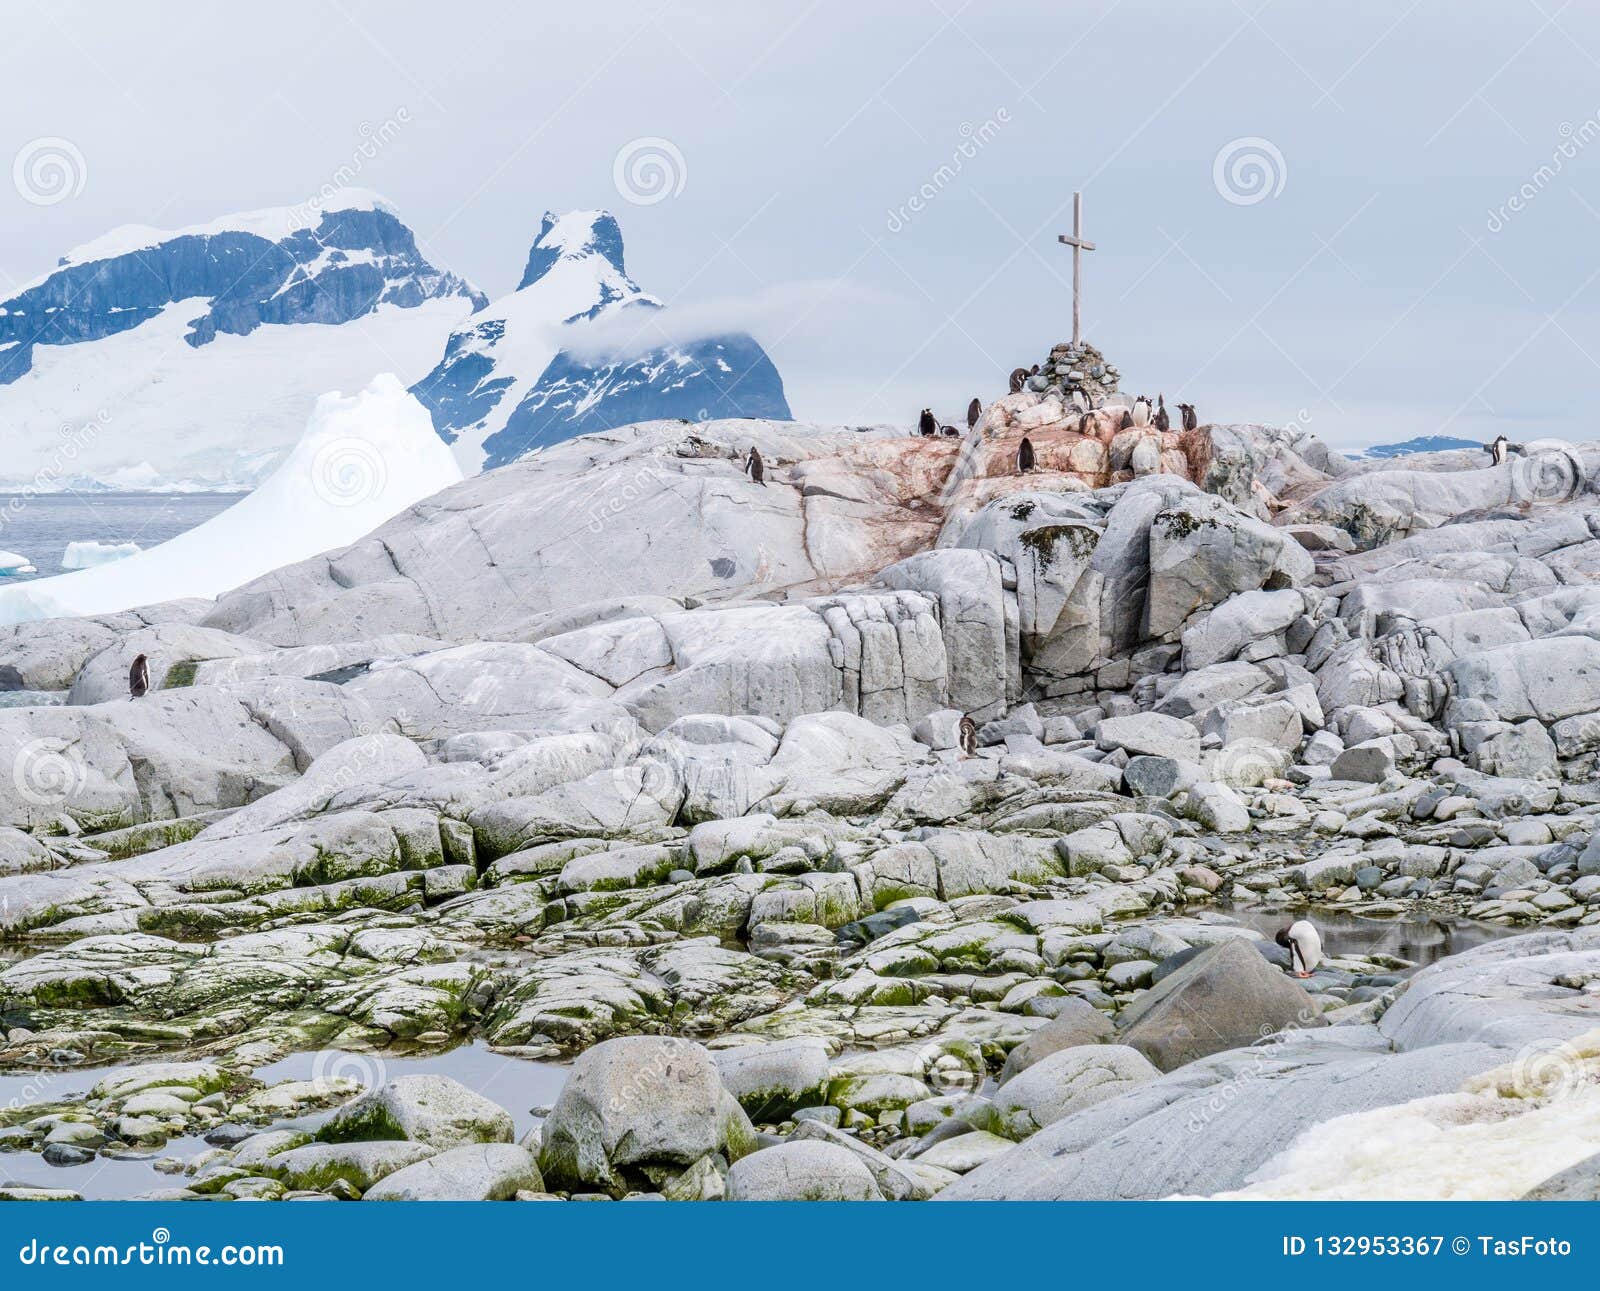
(39, 526)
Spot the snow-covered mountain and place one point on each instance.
(516, 376)
(192, 358)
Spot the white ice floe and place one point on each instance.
(362, 459)
(12, 562)
(1506, 1132)
(88, 553)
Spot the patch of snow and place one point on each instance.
(1496, 1139)
(362, 459)
(88, 553)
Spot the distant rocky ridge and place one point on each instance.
(356, 257)
(617, 756)
(1419, 444)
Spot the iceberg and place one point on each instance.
(88, 553)
(13, 563)
(362, 459)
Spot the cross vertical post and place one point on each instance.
(1079, 245)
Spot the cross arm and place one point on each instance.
(1076, 242)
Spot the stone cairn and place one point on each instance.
(1080, 372)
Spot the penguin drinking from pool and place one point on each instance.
(1304, 945)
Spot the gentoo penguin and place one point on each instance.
(1141, 412)
(949, 432)
(139, 677)
(1304, 945)
(969, 737)
(1190, 422)
(1025, 455)
(1018, 377)
(1163, 422)
(753, 467)
(1497, 449)
(1127, 421)
(927, 427)
(974, 411)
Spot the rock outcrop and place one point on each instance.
(791, 814)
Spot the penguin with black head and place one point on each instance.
(1304, 944)
(139, 677)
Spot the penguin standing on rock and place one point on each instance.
(1190, 421)
(1163, 422)
(927, 426)
(974, 411)
(1141, 412)
(139, 677)
(969, 737)
(1019, 377)
(1304, 945)
(754, 468)
(1497, 449)
(1025, 456)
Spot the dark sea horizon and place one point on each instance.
(39, 526)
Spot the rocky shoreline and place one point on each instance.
(611, 758)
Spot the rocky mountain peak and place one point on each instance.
(572, 236)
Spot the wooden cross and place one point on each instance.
(1079, 245)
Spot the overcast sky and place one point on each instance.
(1359, 270)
